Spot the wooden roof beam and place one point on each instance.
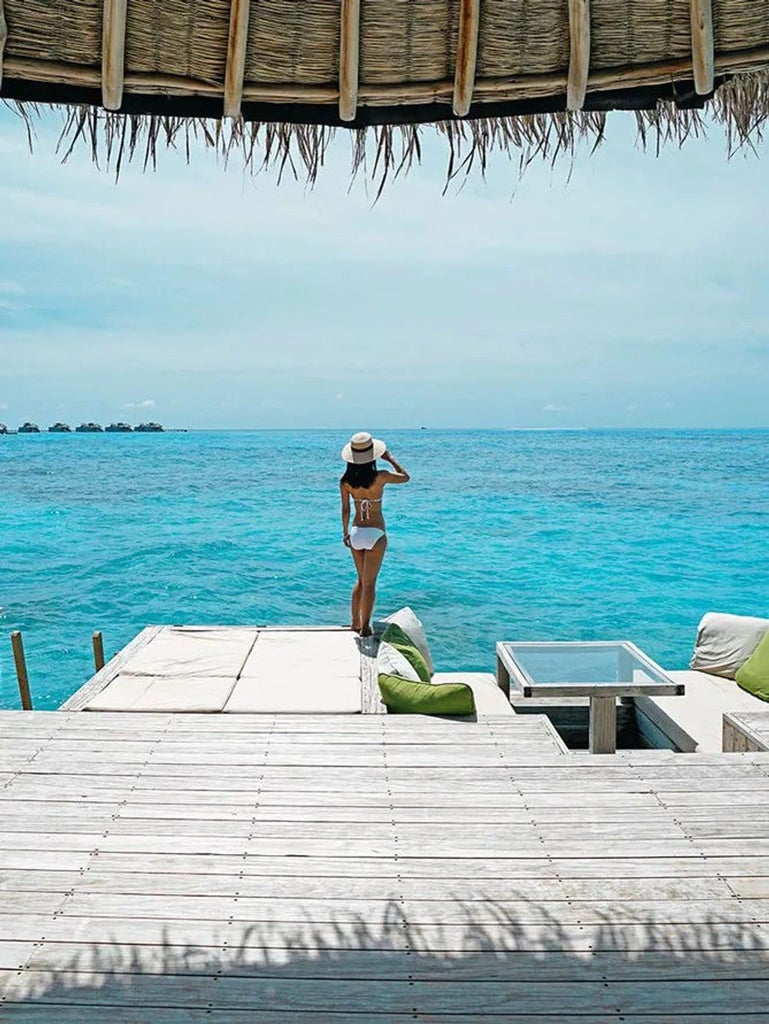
(113, 53)
(3, 38)
(703, 48)
(236, 57)
(579, 53)
(349, 59)
(467, 56)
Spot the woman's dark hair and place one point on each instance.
(360, 475)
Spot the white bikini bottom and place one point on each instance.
(363, 538)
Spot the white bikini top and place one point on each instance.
(365, 507)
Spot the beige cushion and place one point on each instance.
(199, 651)
(304, 651)
(292, 693)
(199, 694)
(694, 721)
(725, 642)
(489, 699)
(311, 672)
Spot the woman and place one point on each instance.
(367, 539)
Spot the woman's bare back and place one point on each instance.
(368, 502)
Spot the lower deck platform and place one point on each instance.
(254, 670)
(182, 868)
(237, 670)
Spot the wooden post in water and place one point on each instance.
(98, 650)
(21, 670)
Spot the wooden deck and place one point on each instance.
(176, 869)
(746, 730)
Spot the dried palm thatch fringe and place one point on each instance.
(742, 107)
(383, 153)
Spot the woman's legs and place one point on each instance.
(372, 563)
(358, 558)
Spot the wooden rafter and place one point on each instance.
(113, 53)
(487, 90)
(349, 59)
(3, 37)
(236, 57)
(579, 53)
(703, 50)
(467, 56)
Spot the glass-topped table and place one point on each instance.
(602, 671)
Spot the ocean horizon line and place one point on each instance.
(445, 429)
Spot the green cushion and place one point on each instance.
(753, 676)
(413, 628)
(406, 698)
(395, 635)
(400, 641)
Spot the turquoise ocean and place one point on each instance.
(500, 535)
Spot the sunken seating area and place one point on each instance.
(696, 720)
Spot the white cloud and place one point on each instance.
(148, 403)
(3, 405)
(11, 288)
(555, 408)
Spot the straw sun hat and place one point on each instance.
(363, 448)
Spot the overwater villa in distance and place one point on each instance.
(87, 428)
(243, 823)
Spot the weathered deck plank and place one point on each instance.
(651, 889)
(310, 995)
(394, 964)
(277, 940)
(284, 869)
(41, 1014)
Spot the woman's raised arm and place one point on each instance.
(400, 476)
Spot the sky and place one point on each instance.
(627, 291)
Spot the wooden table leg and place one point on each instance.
(603, 725)
(503, 678)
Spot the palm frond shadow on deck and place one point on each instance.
(491, 964)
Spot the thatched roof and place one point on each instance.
(273, 76)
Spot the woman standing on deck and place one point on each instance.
(367, 540)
